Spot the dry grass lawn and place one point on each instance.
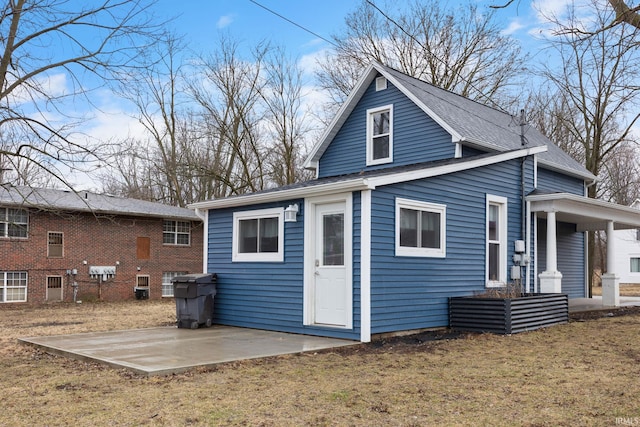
(583, 373)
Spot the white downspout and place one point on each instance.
(204, 216)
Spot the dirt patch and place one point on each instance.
(580, 373)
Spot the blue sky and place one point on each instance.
(201, 21)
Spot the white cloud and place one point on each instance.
(54, 85)
(224, 21)
(309, 62)
(514, 26)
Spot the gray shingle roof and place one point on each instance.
(469, 122)
(482, 125)
(66, 200)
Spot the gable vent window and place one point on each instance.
(380, 135)
(381, 83)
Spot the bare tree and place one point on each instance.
(458, 49)
(596, 89)
(597, 83)
(622, 175)
(51, 51)
(227, 89)
(624, 13)
(285, 119)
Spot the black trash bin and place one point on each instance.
(194, 295)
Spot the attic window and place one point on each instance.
(380, 135)
(381, 83)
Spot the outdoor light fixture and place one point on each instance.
(290, 213)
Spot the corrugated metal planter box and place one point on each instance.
(508, 315)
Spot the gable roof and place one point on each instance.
(69, 201)
(468, 122)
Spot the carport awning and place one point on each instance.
(588, 214)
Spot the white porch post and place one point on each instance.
(610, 280)
(551, 278)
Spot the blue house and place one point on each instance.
(420, 195)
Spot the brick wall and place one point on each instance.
(100, 241)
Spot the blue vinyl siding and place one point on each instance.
(552, 181)
(468, 151)
(266, 295)
(571, 257)
(416, 137)
(412, 292)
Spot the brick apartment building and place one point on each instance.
(55, 242)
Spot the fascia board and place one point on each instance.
(454, 134)
(557, 168)
(276, 196)
(456, 167)
(339, 118)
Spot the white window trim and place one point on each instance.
(163, 284)
(3, 284)
(264, 256)
(176, 233)
(4, 233)
(370, 113)
(502, 279)
(426, 207)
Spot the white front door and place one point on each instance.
(330, 274)
(329, 264)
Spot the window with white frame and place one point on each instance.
(13, 286)
(167, 284)
(380, 135)
(14, 222)
(259, 235)
(496, 248)
(635, 265)
(176, 232)
(420, 229)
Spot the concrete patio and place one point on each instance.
(167, 350)
(595, 303)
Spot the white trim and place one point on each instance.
(455, 135)
(308, 312)
(381, 83)
(457, 150)
(321, 190)
(365, 266)
(420, 206)
(528, 243)
(502, 235)
(396, 178)
(588, 214)
(535, 252)
(238, 256)
(340, 117)
(371, 112)
(359, 184)
(535, 171)
(204, 216)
